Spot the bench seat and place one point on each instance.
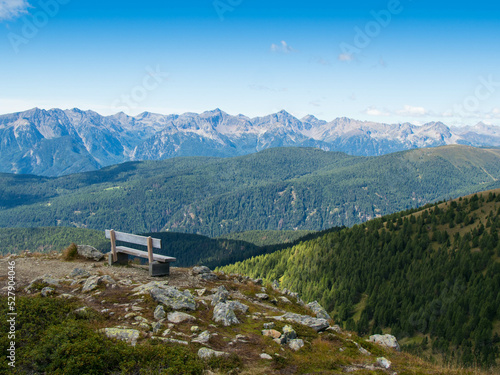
(144, 254)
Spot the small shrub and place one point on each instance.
(70, 253)
(226, 364)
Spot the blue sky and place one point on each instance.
(387, 61)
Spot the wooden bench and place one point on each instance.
(159, 265)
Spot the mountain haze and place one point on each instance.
(60, 142)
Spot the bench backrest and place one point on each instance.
(134, 238)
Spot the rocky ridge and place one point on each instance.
(271, 330)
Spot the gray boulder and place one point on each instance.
(90, 252)
(147, 288)
(94, 281)
(384, 363)
(221, 295)
(289, 333)
(224, 314)
(295, 344)
(315, 323)
(388, 341)
(47, 291)
(206, 353)
(203, 337)
(200, 270)
(318, 310)
(237, 305)
(44, 280)
(125, 334)
(179, 317)
(78, 273)
(174, 298)
(209, 276)
(159, 312)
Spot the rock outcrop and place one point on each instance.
(315, 323)
(388, 341)
(90, 252)
(174, 298)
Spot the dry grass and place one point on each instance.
(70, 253)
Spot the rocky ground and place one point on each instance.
(271, 330)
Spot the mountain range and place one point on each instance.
(60, 142)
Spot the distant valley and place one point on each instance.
(275, 189)
(61, 142)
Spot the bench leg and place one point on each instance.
(122, 259)
(159, 269)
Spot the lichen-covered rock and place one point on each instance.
(147, 288)
(295, 344)
(203, 337)
(384, 363)
(179, 317)
(335, 328)
(174, 298)
(257, 281)
(47, 291)
(159, 313)
(94, 281)
(224, 314)
(125, 334)
(206, 353)
(262, 296)
(44, 280)
(156, 326)
(221, 295)
(90, 284)
(289, 333)
(385, 340)
(78, 273)
(315, 323)
(284, 299)
(269, 325)
(271, 333)
(200, 270)
(318, 310)
(66, 296)
(173, 341)
(275, 285)
(209, 276)
(237, 305)
(90, 252)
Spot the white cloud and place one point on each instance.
(283, 47)
(409, 110)
(373, 111)
(346, 57)
(11, 9)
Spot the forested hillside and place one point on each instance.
(432, 275)
(268, 237)
(46, 239)
(275, 189)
